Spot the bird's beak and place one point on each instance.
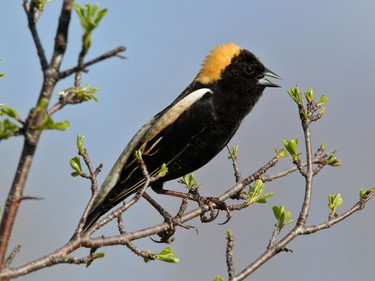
(267, 83)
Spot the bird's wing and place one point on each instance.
(146, 136)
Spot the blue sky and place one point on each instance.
(326, 45)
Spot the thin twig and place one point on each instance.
(236, 168)
(229, 255)
(11, 256)
(139, 252)
(106, 55)
(357, 207)
(272, 241)
(309, 173)
(94, 190)
(261, 171)
(31, 12)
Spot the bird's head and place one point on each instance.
(240, 67)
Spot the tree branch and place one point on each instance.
(308, 174)
(229, 255)
(61, 38)
(31, 135)
(102, 57)
(31, 12)
(357, 207)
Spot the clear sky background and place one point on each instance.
(327, 45)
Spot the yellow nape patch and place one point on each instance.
(216, 62)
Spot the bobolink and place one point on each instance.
(193, 129)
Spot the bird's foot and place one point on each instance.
(167, 235)
(213, 204)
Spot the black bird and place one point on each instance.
(193, 129)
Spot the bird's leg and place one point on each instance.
(195, 196)
(167, 235)
(157, 206)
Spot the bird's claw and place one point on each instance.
(167, 235)
(220, 205)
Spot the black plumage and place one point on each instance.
(193, 129)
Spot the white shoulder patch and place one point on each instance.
(175, 111)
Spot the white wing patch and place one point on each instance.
(174, 112)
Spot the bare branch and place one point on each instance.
(31, 12)
(229, 255)
(109, 54)
(94, 190)
(11, 256)
(61, 38)
(272, 241)
(261, 171)
(309, 173)
(357, 207)
(31, 135)
(236, 168)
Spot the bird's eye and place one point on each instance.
(249, 70)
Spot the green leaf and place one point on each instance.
(333, 161)
(94, 257)
(218, 278)
(334, 201)
(295, 95)
(323, 146)
(282, 215)
(167, 255)
(229, 232)
(8, 128)
(323, 99)
(75, 163)
(80, 146)
(75, 174)
(89, 16)
(281, 153)
(233, 152)
(291, 147)
(49, 124)
(263, 199)
(309, 94)
(362, 192)
(84, 93)
(100, 16)
(61, 126)
(146, 260)
(322, 111)
(255, 193)
(163, 170)
(138, 154)
(10, 112)
(80, 12)
(189, 181)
